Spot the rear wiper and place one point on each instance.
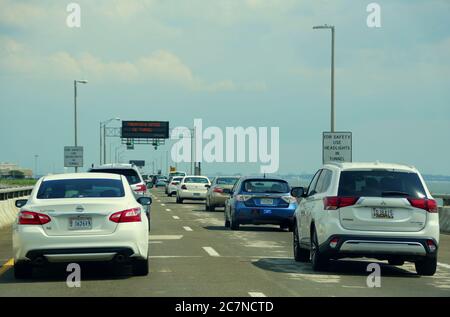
(394, 193)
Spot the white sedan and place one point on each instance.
(192, 188)
(81, 217)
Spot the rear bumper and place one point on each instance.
(218, 200)
(260, 216)
(378, 247)
(79, 254)
(32, 240)
(186, 194)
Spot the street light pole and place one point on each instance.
(35, 166)
(332, 28)
(75, 110)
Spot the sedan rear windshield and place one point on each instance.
(227, 180)
(198, 180)
(265, 186)
(380, 183)
(130, 174)
(81, 188)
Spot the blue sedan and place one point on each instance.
(259, 201)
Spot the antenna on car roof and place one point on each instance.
(264, 175)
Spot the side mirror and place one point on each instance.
(227, 191)
(208, 186)
(298, 192)
(21, 202)
(145, 201)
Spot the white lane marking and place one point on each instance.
(163, 205)
(188, 228)
(256, 294)
(444, 265)
(351, 286)
(176, 217)
(155, 242)
(211, 251)
(168, 209)
(166, 237)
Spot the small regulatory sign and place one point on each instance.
(337, 147)
(73, 156)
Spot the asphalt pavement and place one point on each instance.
(193, 254)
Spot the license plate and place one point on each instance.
(196, 194)
(382, 213)
(80, 223)
(266, 201)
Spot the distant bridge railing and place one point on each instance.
(8, 193)
(445, 198)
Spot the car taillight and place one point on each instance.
(334, 242)
(141, 188)
(289, 199)
(183, 187)
(33, 218)
(429, 205)
(218, 190)
(243, 197)
(431, 245)
(336, 202)
(129, 215)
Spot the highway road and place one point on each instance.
(192, 254)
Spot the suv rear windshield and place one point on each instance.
(265, 186)
(80, 188)
(198, 180)
(380, 183)
(130, 174)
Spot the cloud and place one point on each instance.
(20, 14)
(161, 66)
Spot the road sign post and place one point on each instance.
(336, 147)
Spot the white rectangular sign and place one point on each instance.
(337, 147)
(73, 156)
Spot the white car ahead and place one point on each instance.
(172, 186)
(192, 188)
(81, 217)
(373, 210)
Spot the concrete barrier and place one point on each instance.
(8, 212)
(444, 219)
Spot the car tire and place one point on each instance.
(227, 223)
(212, 208)
(23, 270)
(207, 208)
(284, 227)
(318, 260)
(426, 267)
(234, 225)
(179, 200)
(140, 267)
(300, 254)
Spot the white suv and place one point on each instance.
(374, 210)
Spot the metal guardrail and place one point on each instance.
(15, 192)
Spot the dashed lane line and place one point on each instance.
(176, 217)
(211, 251)
(168, 209)
(443, 265)
(256, 294)
(188, 228)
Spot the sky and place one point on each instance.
(231, 63)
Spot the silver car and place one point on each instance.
(219, 191)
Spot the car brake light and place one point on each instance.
(336, 202)
(33, 218)
(289, 199)
(218, 190)
(429, 205)
(129, 215)
(183, 187)
(243, 197)
(141, 188)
